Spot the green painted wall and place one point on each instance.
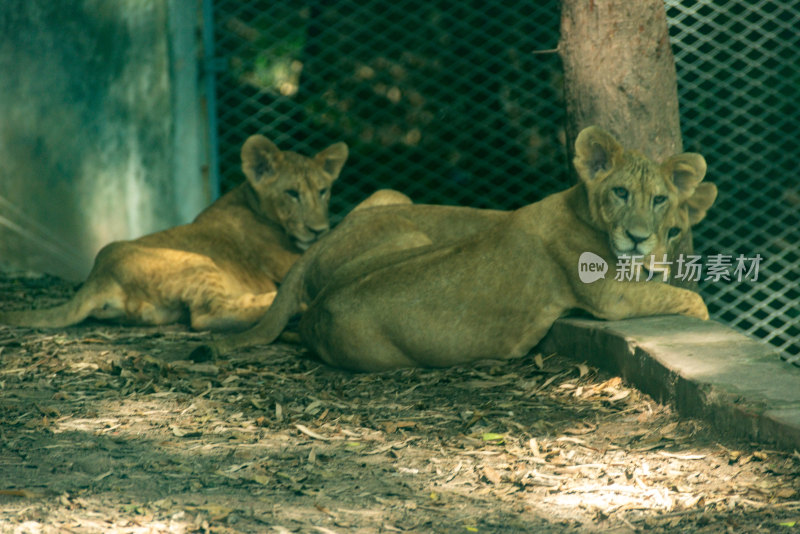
(99, 127)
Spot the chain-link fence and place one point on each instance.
(461, 102)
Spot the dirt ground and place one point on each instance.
(111, 429)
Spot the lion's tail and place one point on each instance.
(288, 302)
(83, 303)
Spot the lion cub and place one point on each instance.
(219, 271)
(497, 293)
(464, 266)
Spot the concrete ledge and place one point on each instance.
(702, 368)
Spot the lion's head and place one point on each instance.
(640, 204)
(291, 189)
(675, 234)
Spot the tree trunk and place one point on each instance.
(619, 73)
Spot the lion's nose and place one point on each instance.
(636, 238)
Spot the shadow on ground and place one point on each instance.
(110, 429)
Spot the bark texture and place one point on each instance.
(619, 73)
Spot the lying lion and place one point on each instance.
(219, 271)
(466, 284)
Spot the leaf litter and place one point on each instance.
(107, 428)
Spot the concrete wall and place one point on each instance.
(100, 129)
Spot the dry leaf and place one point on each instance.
(264, 480)
(385, 448)
(547, 383)
(610, 383)
(491, 475)
(101, 476)
(215, 512)
(668, 429)
(682, 456)
(313, 407)
(324, 510)
(185, 433)
(390, 427)
(619, 395)
(310, 433)
(583, 428)
(583, 370)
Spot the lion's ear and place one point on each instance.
(332, 159)
(596, 152)
(699, 203)
(687, 171)
(260, 158)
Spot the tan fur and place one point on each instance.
(219, 271)
(483, 283)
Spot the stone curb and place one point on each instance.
(702, 368)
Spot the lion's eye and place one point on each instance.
(323, 192)
(621, 192)
(673, 232)
(293, 194)
(659, 199)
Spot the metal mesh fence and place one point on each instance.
(738, 66)
(461, 103)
